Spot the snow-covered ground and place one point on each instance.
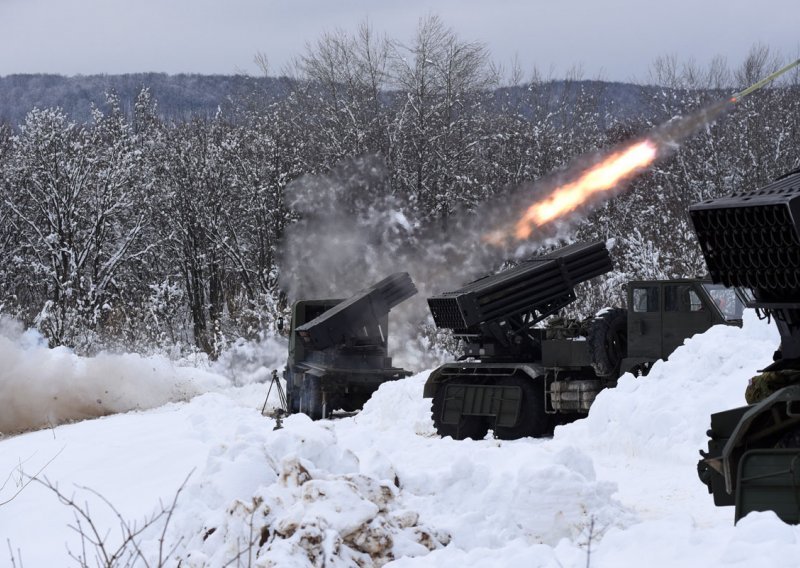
(618, 488)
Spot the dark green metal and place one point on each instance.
(677, 309)
(500, 402)
(751, 240)
(567, 362)
(769, 480)
(338, 349)
(565, 354)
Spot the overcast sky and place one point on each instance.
(608, 39)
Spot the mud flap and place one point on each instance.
(769, 480)
(502, 402)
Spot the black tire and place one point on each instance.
(533, 421)
(473, 427)
(608, 341)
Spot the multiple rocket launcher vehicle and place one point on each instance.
(520, 376)
(751, 241)
(523, 371)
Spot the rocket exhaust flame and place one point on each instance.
(613, 170)
(608, 176)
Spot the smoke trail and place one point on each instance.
(554, 204)
(583, 190)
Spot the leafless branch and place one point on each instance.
(21, 475)
(95, 540)
(13, 557)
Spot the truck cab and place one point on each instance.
(662, 314)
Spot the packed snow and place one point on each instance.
(618, 488)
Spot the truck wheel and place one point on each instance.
(533, 421)
(473, 427)
(608, 341)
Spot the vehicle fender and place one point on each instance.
(450, 371)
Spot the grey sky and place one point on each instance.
(610, 39)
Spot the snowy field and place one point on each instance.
(618, 488)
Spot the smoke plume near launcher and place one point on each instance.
(588, 180)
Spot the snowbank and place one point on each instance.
(666, 414)
(296, 497)
(618, 488)
(377, 487)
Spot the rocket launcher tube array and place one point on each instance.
(752, 239)
(539, 284)
(362, 311)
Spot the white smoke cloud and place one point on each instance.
(353, 233)
(42, 387)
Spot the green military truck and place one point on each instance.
(338, 349)
(520, 378)
(751, 240)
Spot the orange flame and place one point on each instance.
(604, 176)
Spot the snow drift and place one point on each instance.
(618, 488)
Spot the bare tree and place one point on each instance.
(718, 76)
(342, 78)
(759, 62)
(443, 79)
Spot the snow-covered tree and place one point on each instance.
(70, 192)
(443, 82)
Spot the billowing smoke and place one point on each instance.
(352, 232)
(349, 230)
(42, 387)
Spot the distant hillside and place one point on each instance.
(178, 96)
(183, 96)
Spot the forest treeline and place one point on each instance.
(136, 230)
(180, 97)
